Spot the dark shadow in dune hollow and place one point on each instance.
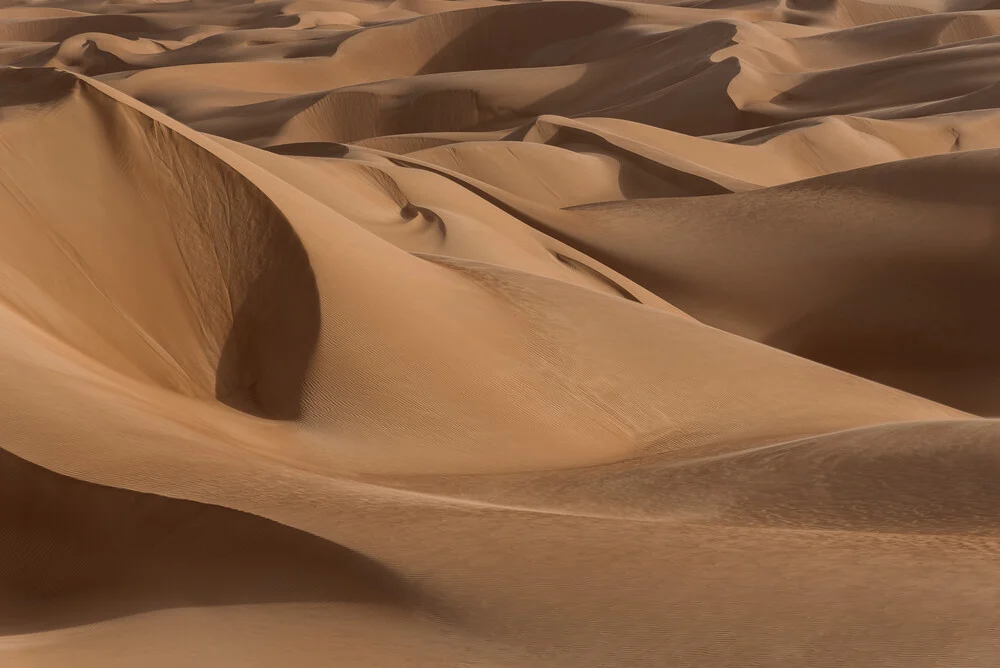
(665, 80)
(639, 177)
(265, 358)
(73, 553)
(34, 86)
(311, 149)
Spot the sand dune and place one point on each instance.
(564, 333)
(884, 278)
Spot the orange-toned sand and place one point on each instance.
(554, 334)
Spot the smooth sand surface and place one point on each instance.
(506, 334)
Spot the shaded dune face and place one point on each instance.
(839, 286)
(488, 38)
(223, 303)
(76, 553)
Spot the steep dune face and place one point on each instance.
(499, 334)
(155, 259)
(215, 556)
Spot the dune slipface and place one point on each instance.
(475, 333)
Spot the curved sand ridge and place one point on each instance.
(218, 281)
(502, 334)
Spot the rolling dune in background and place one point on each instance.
(572, 333)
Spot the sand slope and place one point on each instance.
(477, 333)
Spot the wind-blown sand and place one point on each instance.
(475, 333)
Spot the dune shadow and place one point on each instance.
(967, 177)
(34, 86)
(509, 36)
(275, 328)
(913, 323)
(74, 552)
(311, 149)
(685, 90)
(253, 122)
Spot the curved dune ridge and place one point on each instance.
(578, 333)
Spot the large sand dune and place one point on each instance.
(504, 334)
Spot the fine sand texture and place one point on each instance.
(500, 334)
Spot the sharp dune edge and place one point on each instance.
(476, 333)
